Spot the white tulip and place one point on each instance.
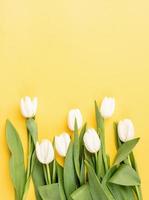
(92, 141)
(28, 107)
(125, 130)
(45, 151)
(107, 107)
(74, 114)
(62, 143)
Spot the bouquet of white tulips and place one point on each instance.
(86, 173)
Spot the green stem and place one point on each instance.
(96, 160)
(96, 157)
(104, 150)
(54, 172)
(48, 174)
(29, 156)
(45, 173)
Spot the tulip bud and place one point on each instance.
(125, 130)
(45, 151)
(62, 143)
(28, 107)
(92, 141)
(107, 107)
(74, 114)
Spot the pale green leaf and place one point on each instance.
(76, 150)
(32, 129)
(17, 169)
(95, 186)
(61, 181)
(38, 177)
(50, 192)
(70, 176)
(125, 175)
(124, 150)
(83, 193)
(121, 192)
(99, 119)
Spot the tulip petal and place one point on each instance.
(34, 105)
(23, 110)
(45, 152)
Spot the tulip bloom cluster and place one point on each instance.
(86, 172)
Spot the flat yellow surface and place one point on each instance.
(69, 53)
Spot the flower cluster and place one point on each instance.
(86, 173)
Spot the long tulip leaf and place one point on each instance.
(50, 192)
(95, 186)
(38, 178)
(32, 129)
(76, 150)
(101, 132)
(61, 181)
(70, 176)
(83, 193)
(99, 119)
(17, 169)
(100, 166)
(121, 192)
(126, 176)
(124, 150)
(81, 140)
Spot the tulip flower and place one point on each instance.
(45, 151)
(125, 130)
(28, 107)
(74, 114)
(92, 141)
(107, 107)
(62, 143)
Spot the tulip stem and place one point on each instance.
(102, 135)
(45, 174)
(48, 174)
(96, 160)
(29, 156)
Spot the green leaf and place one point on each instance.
(54, 172)
(117, 140)
(89, 157)
(121, 192)
(104, 182)
(61, 181)
(38, 177)
(82, 155)
(99, 119)
(137, 189)
(81, 140)
(125, 175)
(83, 193)
(109, 174)
(17, 169)
(32, 129)
(50, 192)
(100, 166)
(95, 186)
(108, 160)
(101, 132)
(70, 177)
(82, 173)
(76, 150)
(125, 150)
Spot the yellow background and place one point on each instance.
(69, 53)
